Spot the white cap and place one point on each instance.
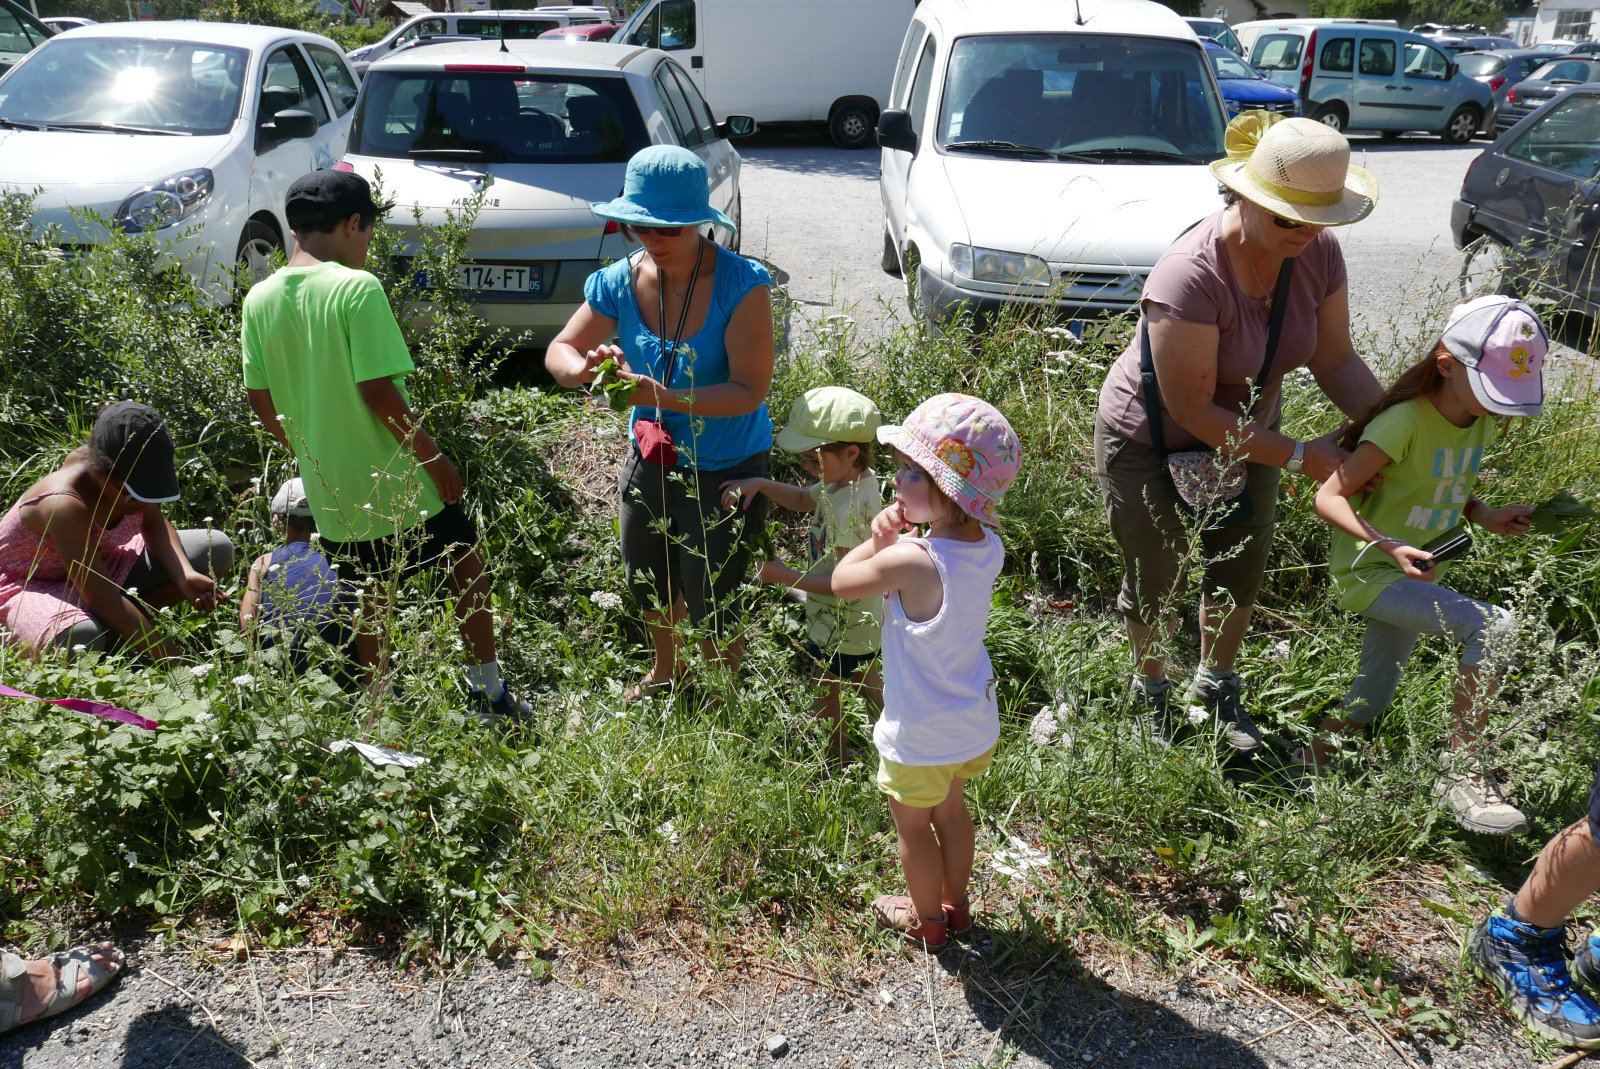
(290, 500)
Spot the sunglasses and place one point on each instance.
(1288, 224)
(659, 231)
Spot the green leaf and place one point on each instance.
(1561, 513)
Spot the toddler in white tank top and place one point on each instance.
(940, 721)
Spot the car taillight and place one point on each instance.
(611, 227)
(1496, 83)
(343, 166)
(1467, 178)
(1511, 95)
(487, 68)
(1305, 68)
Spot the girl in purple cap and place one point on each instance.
(940, 721)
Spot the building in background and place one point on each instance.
(1564, 20)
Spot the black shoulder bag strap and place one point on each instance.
(1151, 389)
(671, 354)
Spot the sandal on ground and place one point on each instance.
(70, 966)
(649, 688)
(898, 913)
(959, 918)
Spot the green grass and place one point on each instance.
(236, 808)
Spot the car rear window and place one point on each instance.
(1480, 66)
(1277, 52)
(498, 118)
(1568, 70)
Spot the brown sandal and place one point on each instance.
(898, 913)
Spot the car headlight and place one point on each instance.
(992, 265)
(164, 203)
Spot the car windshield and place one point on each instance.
(1568, 70)
(1476, 66)
(1228, 65)
(1277, 52)
(498, 118)
(115, 83)
(1128, 97)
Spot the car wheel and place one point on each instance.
(852, 126)
(1332, 115)
(1462, 126)
(259, 246)
(891, 255)
(1489, 267)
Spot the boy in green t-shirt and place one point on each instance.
(325, 366)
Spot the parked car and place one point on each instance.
(58, 23)
(20, 33)
(1243, 87)
(1500, 70)
(1527, 217)
(1034, 158)
(543, 128)
(783, 61)
(599, 31)
(189, 130)
(1218, 31)
(1455, 44)
(1359, 76)
(511, 25)
(1555, 77)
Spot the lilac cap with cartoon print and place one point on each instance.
(1503, 345)
(967, 447)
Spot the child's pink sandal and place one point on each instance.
(959, 917)
(899, 913)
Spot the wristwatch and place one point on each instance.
(1292, 466)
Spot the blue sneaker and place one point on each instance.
(1528, 966)
(505, 711)
(1586, 963)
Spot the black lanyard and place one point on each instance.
(683, 315)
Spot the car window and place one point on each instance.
(1566, 138)
(17, 38)
(426, 26)
(169, 86)
(1277, 52)
(1377, 57)
(902, 69)
(1339, 55)
(509, 118)
(922, 84)
(1568, 70)
(509, 29)
(669, 26)
(287, 84)
(677, 106)
(336, 76)
(1228, 65)
(1480, 66)
(1081, 92)
(1425, 62)
(698, 107)
(1229, 39)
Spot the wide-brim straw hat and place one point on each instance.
(1297, 169)
(666, 185)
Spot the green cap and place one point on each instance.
(829, 414)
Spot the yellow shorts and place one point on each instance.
(925, 786)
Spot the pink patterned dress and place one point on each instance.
(37, 602)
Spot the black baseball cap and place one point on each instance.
(322, 196)
(135, 437)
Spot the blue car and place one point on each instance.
(1246, 89)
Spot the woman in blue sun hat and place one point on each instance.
(693, 329)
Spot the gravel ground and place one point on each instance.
(646, 1007)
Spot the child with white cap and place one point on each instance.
(834, 427)
(293, 592)
(1426, 439)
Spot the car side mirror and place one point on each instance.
(291, 124)
(894, 131)
(736, 126)
(1455, 69)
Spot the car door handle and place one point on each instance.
(1406, 88)
(1391, 87)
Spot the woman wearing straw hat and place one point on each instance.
(1207, 321)
(693, 324)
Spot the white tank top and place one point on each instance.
(939, 704)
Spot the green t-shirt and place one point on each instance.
(310, 334)
(1433, 465)
(843, 520)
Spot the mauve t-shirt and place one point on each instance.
(1194, 281)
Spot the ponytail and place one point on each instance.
(1418, 380)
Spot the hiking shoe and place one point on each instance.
(959, 918)
(1586, 963)
(1528, 966)
(1220, 696)
(506, 710)
(1478, 801)
(1152, 718)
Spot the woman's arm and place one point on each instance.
(65, 522)
(250, 602)
(1333, 505)
(1344, 377)
(581, 347)
(166, 549)
(794, 498)
(750, 355)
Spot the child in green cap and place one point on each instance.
(834, 427)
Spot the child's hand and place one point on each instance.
(1415, 563)
(737, 493)
(773, 571)
(1509, 520)
(887, 526)
(442, 470)
(199, 590)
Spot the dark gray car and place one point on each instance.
(1529, 211)
(20, 33)
(1544, 85)
(1500, 69)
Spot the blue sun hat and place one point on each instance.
(666, 186)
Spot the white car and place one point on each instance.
(544, 129)
(509, 24)
(1035, 155)
(192, 131)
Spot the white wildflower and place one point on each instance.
(1262, 824)
(244, 680)
(368, 506)
(605, 599)
(302, 881)
(78, 647)
(200, 671)
(131, 858)
(201, 718)
(1197, 714)
(282, 908)
(315, 536)
(132, 591)
(1279, 652)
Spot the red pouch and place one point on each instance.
(655, 444)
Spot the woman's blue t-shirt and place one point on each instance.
(704, 442)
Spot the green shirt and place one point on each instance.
(843, 520)
(310, 334)
(1433, 465)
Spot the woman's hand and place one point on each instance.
(1508, 520)
(738, 493)
(1322, 457)
(887, 527)
(1409, 557)
(777, 572)
(599, 355)
(199, 590)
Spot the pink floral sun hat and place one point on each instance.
(966, 445)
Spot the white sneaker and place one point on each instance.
(1478, 801)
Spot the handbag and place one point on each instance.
(653, 439)
(1208, 483)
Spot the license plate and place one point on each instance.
(500, 278)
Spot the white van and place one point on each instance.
(783, 61)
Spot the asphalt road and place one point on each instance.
(814, 212)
